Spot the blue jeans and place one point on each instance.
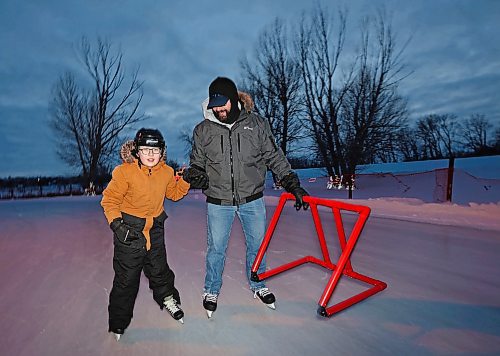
(220, 219)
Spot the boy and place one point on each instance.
(133, 205)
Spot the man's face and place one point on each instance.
(222, 112)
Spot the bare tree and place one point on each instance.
(407, 144)
(87, 122)
(475, 133)
(319, 53)
(449, 132)
(438, 135)
(355, 119)
(372, 112)
(428, 134)
(68, 108)
(497, 140)
(273, 79)
(186, 137)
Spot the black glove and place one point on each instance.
(299, 193)
(291, 184)
(123, 232)
(196, 177)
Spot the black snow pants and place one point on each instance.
(128, 263)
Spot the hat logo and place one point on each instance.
(151, 142)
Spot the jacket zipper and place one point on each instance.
(231, 165)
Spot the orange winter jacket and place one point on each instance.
(140, 191)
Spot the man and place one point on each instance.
(232, 149)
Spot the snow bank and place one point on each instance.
(481, 216)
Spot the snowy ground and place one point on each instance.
(440, 262)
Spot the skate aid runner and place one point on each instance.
(232, 149)
(133, 205)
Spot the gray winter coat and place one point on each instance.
(236, 159)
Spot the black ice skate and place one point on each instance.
(117, 333)
(209, 303)
(171, 305)
(266, 296)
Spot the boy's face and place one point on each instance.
(149, 156)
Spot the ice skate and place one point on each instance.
(209, 303)
(171, 305)
(117, 333)
(266, 297)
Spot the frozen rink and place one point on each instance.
(443, 294)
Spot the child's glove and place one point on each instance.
(122, 231)
(196, 177)
(291, 184)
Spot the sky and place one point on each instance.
(180, 47)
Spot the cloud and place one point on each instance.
(180, 47)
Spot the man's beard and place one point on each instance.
(228, 117)
(222, 118)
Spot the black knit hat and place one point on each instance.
(220, 91)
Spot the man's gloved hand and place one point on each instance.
(122, 231)
(299, 193)
(196, 177)
(291, 184)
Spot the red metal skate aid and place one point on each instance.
(343, 266)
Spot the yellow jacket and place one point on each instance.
(140, 191)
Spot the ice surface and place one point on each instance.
(440, 262)
(443, 294)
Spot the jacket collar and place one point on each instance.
(148, 170)
(209, 115)
(244, 99)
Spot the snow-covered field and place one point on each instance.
(440, 261)
(484, 167)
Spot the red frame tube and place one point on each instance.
(343, 266)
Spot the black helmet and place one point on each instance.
(148, 137)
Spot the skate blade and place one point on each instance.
(117, 336)
(209, 313)
(181, 321)
(272, 306)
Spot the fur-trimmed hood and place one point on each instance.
(127, 156)
(244, 98)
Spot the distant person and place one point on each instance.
(133, 205)
(232, 149)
